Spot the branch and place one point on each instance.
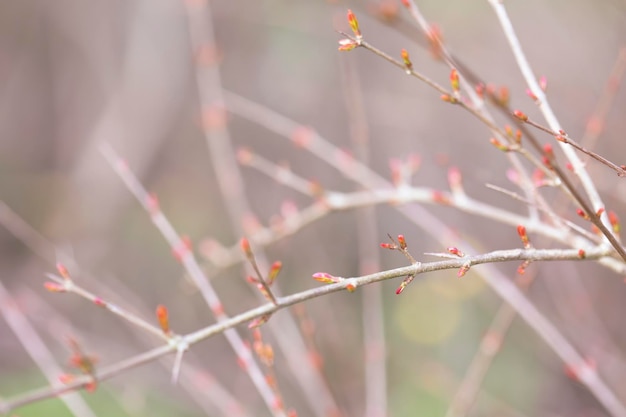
(282, 302)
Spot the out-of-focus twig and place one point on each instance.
(38, 352)
(490, 345)
(373, 317)
(595, 124)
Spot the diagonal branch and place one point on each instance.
(523, 306)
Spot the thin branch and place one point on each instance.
(583, 232)
(564, 138)
(71, 287)
(489, 347)
(548, 331)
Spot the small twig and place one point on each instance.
(282, 174)
(489, 347)
(260, 279)
(564, 138)
(71, 287)
(570, 224)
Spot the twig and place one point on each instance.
(489, 347)
(532, 316)
(583, 232)
(564, 138)
(69, 285)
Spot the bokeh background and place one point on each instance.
(74, 74)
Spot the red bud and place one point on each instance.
(520, 115)
(354, 24)
(163, 317)
(325, 277)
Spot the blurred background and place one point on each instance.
(146, 77)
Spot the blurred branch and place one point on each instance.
(490, 345)
(230, 181)
(373, 314)
(595, 124)
(38, 352)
